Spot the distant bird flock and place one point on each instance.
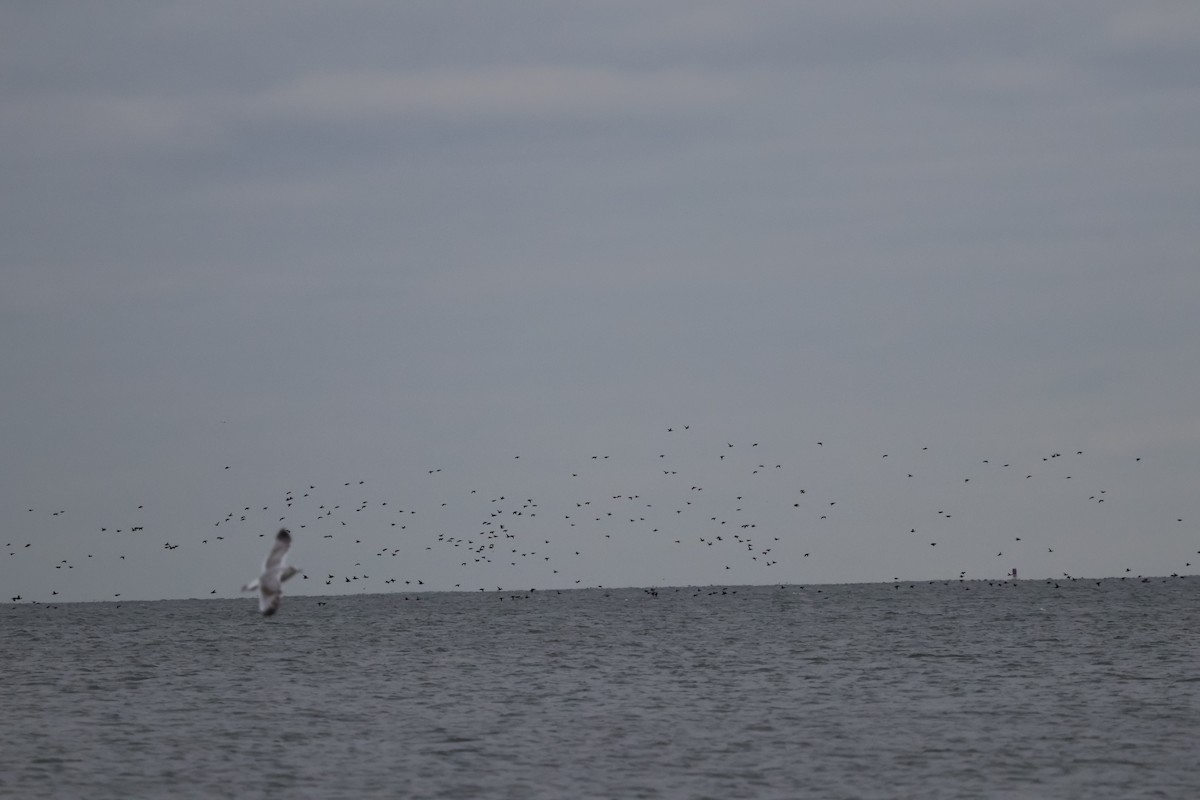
(724, 506)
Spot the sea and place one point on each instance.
(944, 689)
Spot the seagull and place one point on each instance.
(270, 584)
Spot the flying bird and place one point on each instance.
(270, 584)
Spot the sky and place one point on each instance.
(873, 290)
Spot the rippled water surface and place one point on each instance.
(917, 690)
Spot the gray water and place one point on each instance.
(946, 690)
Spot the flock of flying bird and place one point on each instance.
(604, 510)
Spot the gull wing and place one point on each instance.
(283, 540)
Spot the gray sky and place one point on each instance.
(251, 248)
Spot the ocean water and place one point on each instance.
(958, 690)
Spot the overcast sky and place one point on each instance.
(252, 248)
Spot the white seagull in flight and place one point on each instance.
(270, 583)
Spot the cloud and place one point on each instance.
(506, 91)
(83, 125)
(1155, 25)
